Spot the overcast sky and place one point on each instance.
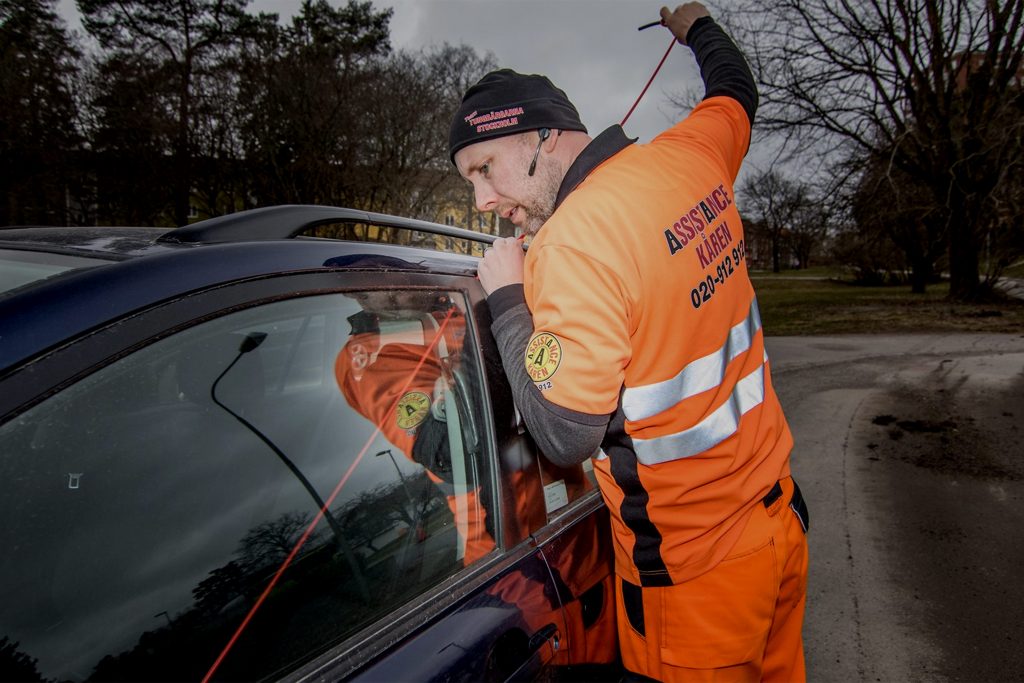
(591, 49)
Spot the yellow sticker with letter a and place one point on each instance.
(412, 409)
(543, 354)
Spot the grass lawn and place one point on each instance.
(793, 304)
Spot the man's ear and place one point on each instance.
(548, 140)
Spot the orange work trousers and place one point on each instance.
(741, 621)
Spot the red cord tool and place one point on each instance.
(656, 70)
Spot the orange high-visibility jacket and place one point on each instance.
(643, 309)
(393, 385)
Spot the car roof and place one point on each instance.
(100, 242)
(131, 269)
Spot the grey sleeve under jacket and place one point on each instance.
(566, 437)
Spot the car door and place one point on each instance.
(291, 477)
(557, 529)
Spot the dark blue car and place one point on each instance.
(231, 452)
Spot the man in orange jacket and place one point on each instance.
(631, 335)
(394, 384)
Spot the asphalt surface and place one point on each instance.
(908, 451)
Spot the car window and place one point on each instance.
(19, 268)
(245, 493)
(564, 485)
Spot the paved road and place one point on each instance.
(908, 452)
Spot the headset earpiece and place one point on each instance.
(544, 133)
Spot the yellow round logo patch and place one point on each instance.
(543, 354)
(412, 409)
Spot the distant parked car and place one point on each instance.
(232, 452)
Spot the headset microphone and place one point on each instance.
(544, 133)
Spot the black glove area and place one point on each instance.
(431, 450)
(364, 322)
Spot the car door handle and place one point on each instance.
(547, 634)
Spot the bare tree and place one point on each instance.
(903, 217)
(809, 231)
(406, 167)
(268, 543)
(778, 205)
(923, 89)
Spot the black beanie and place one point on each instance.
(505, 102)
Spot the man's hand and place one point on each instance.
(680, 21)
(502, 264)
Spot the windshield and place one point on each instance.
(19, 268)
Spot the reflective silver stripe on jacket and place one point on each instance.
(712, 430)
(639, 403)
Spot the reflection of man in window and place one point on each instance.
(394, 371)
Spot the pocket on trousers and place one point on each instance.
(633, 603)
(723, 617)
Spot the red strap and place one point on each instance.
(651, 80)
